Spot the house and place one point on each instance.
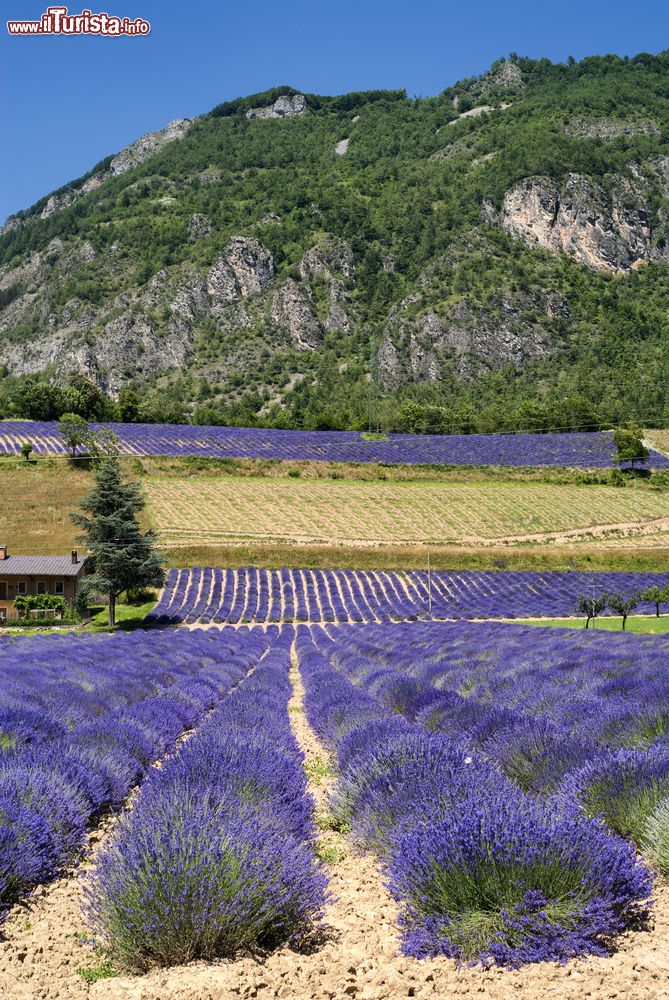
(23, 575)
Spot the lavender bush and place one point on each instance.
(482, 870)
(101, 731)
(218, 855)
(655, 838)
(623, 788)
(198, 875)
(508, 880)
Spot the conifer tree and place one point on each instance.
(123, 555)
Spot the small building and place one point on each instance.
(23, 575)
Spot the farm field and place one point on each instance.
(37, 497)
(210, 511)
(489, 726)
(253, 595)
(658, 439)
(576, 450)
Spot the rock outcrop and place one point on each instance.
(292, 311)
(332, 261)
(199, 226)
(286, 106)
(244, 269)
(609, 231)
(11, 225)
(148, 145)
(607, 128)
(507, 78)
(57, 202)
(465, 338)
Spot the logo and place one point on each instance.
(58, 21)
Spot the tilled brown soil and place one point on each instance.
(358, 956)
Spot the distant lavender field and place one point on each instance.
(251, 595)
(593, 450)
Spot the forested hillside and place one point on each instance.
(491, 258)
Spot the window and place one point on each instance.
(41, 587)
(59, 588)
(3, 590)
(22, 588)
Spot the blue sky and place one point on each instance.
(69, 101)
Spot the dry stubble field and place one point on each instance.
(250, 514)
(214, 510)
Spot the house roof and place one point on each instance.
(41, 566)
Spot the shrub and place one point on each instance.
(655, 839)
(537, 755)
(511, 882)
(190, 875)
(404, 779)
(623, 788)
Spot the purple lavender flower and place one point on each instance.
(509, 881)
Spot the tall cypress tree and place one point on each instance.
(123, 555)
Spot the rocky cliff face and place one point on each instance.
(607, 230)
(131, 156)
(251, 245)
(148, 145)
(421, 345)
(243, 270)
(287, 106)
(507, 78)
(139, 334)
(608, 128)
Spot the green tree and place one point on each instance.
(629, 446)
(26, 449)
(591, 607)
(123, 556)
(622, 604)
(86, 398)
(36, 399)
(74, 431)
(102, 444)
(656, 596)
(128, 406)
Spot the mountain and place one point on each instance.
(496, 255)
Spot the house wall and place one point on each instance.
(12, 585)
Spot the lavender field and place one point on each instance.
(578, 450)
(255, 595)
(487, 765)
(82, 718)
(510, 782)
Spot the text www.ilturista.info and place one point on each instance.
(57, 21)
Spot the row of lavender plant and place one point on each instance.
(218, 853)
(51, 685)
(584, 718)
(577, 450)
(251, 594)
(50, 792)
(482, 870)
